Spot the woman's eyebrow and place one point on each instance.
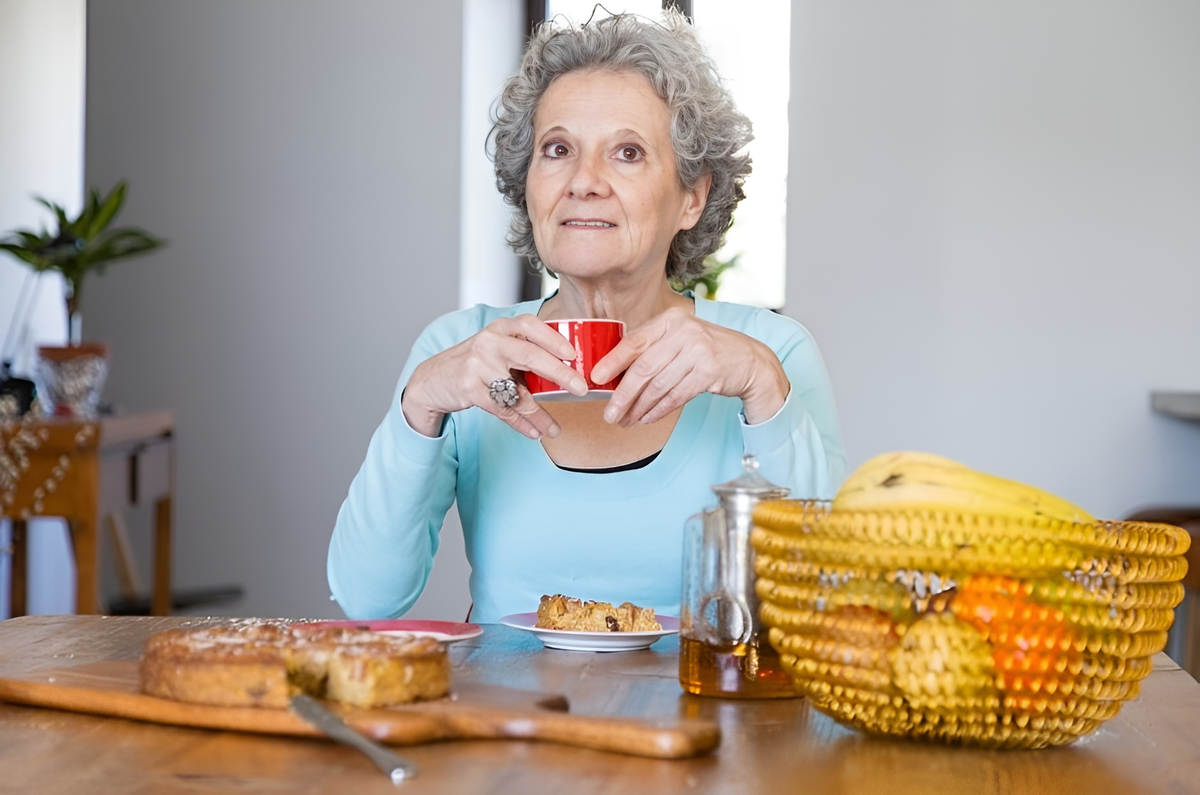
(628, 136)
(628, 133)
(552, 131)
(623, 134)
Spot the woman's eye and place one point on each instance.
(630, 153)
(557, 150)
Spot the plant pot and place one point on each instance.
(70, 378)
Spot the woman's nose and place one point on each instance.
(589, 178)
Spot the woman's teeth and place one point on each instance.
(588, 223)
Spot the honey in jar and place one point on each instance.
(723, 648)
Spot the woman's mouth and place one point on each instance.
(589, 222)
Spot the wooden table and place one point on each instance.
(77, 470)
(1153, 745)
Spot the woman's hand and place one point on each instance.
(676, 356)
(461, 376)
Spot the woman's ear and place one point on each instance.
(694, 200)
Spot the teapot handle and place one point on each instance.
(724, 620)
(711, 611)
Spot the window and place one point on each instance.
(751, 49)
(580, 10)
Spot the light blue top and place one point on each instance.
(532, 528)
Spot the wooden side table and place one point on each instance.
(74, 469)
(1184, 644)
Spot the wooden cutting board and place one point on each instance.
(111, 688)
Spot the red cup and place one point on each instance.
(592, 339)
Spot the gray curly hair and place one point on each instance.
(707, 131)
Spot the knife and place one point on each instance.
(397, 768)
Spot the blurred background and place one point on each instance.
(987, 213)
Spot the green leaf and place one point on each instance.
(31, 258)
(83, 244)
(118, 244)
(59, 212)
(106, 211)
(79, 226)
(32, 241)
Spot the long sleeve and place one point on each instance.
(388, 528)
(800, 447)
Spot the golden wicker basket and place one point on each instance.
(965, 628)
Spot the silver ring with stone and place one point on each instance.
(504, 392)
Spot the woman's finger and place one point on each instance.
(646, 367)
(658, 387)
(523, 339)
(521, 422)
(534, 414)
(525, 415)
(627, 351)
(530, 328)
(520, 354)
(681, 393)
(617, 360)
(461, 375)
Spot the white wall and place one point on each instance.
(994, 233)
(492, 34)
(41, 152)
(303, 160)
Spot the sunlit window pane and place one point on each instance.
(581, 10)
(751, 51)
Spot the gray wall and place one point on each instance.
(994, 233)
(302, 158)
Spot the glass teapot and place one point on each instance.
(723, 647)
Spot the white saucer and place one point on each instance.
(563, 396)
(591, 641)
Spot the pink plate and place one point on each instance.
(445, 631)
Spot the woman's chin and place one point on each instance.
(588, 269)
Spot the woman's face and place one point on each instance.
(602, 190)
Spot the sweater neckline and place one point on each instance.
(674, 455)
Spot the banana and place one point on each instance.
(923, 481)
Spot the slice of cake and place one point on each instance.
(263, 663)
(563, 612)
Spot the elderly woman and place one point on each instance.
(622, 156)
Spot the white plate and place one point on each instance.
(563, 396)
(591, 641)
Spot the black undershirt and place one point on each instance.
(641, 462)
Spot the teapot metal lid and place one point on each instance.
(751, 483)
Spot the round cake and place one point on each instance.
(263, 663)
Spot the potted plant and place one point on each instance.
(70, 378)
(705, 285)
